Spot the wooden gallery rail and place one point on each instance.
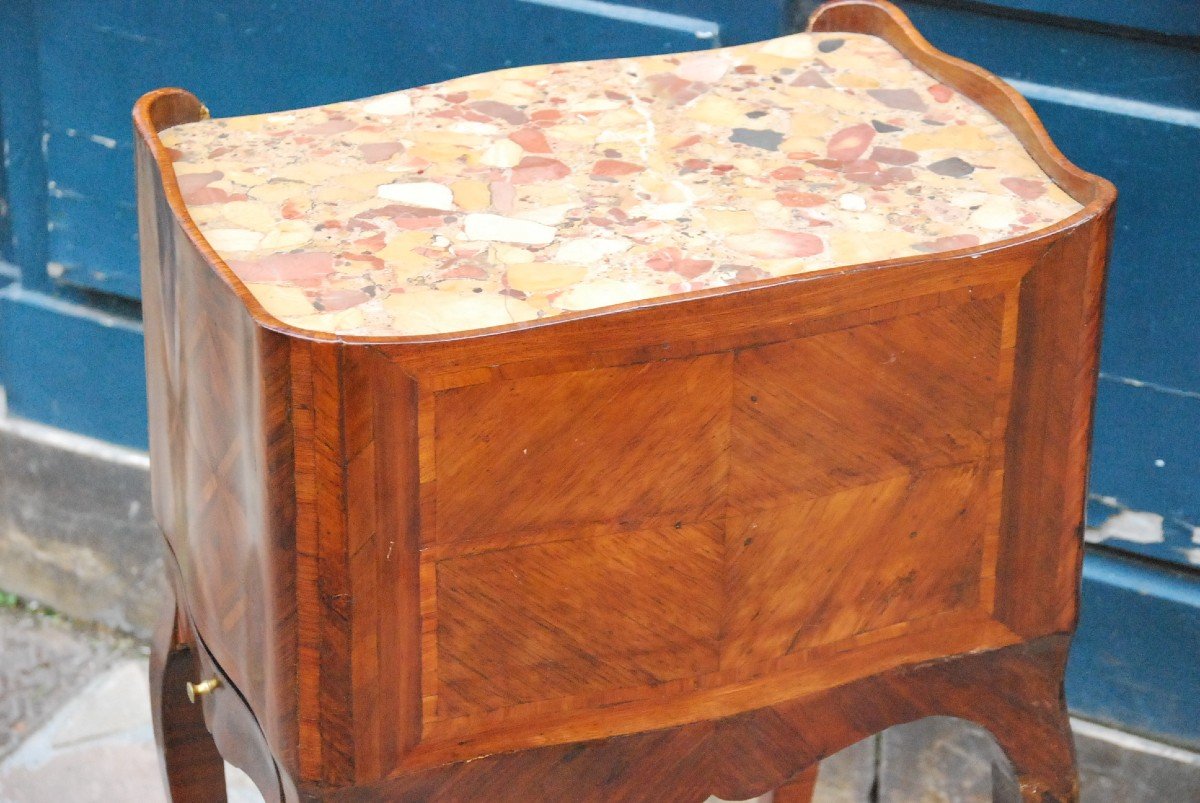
(633, 430)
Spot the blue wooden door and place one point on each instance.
(1118, 86)
(70, 341)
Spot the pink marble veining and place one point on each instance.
(530, 192)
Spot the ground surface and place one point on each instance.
(75, 726)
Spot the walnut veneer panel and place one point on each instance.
(831, 412)
(221, 441)
(742, 503)
(558, 450)
(904, 549)
(535, 622)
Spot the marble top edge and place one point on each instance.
(530, 192)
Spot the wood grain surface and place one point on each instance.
(649, 553)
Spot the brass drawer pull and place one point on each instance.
(195, 690)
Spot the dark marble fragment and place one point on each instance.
(953, 167)
(906, 99)
(757, 137)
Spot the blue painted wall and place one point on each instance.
(1118, 85)
(72, 70)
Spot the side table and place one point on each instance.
(631, 430)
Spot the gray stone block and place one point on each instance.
(76, 529)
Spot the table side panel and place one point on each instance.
(1048, 439)
(221, 454)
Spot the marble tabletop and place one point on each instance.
(530, 192)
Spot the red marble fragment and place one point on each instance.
(375, 262)
(546, 115)
(455, 97)
(502, 111)
(463, 269)
(675, 89)
(340, 299)
(941, 93)
(894, 156)
(504, 195)
(175, 154)
(777, 244)
(850, 143)
(294, 209)
(296, 267)
(380, 151)
(615, 167)
(693, 165)
(793, 199)
(749, 273)
(787, 173)
(408, 217)
(211, 195)
(531, 139)
(373, 243)
(949, 243)
(1026, 188)
(334, 126)
(812, 221)
(533, 169)
(672, 259)
(190, 182)
(866, 171)
(686, 142)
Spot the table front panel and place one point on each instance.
(596, 537)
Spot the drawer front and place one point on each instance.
(238, 736)
(689, 537)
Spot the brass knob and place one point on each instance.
(195, 690)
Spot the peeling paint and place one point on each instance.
(1141, 383)
(119, 33)
(1136, 526)
(99, 139)
(56, 191)
(1192, 555)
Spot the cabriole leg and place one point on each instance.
(192, 768)
(799, 789)
(1041, 761)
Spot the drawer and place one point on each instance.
(231, 722)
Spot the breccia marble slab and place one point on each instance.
(529, 192)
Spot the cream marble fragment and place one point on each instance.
(530, 192)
